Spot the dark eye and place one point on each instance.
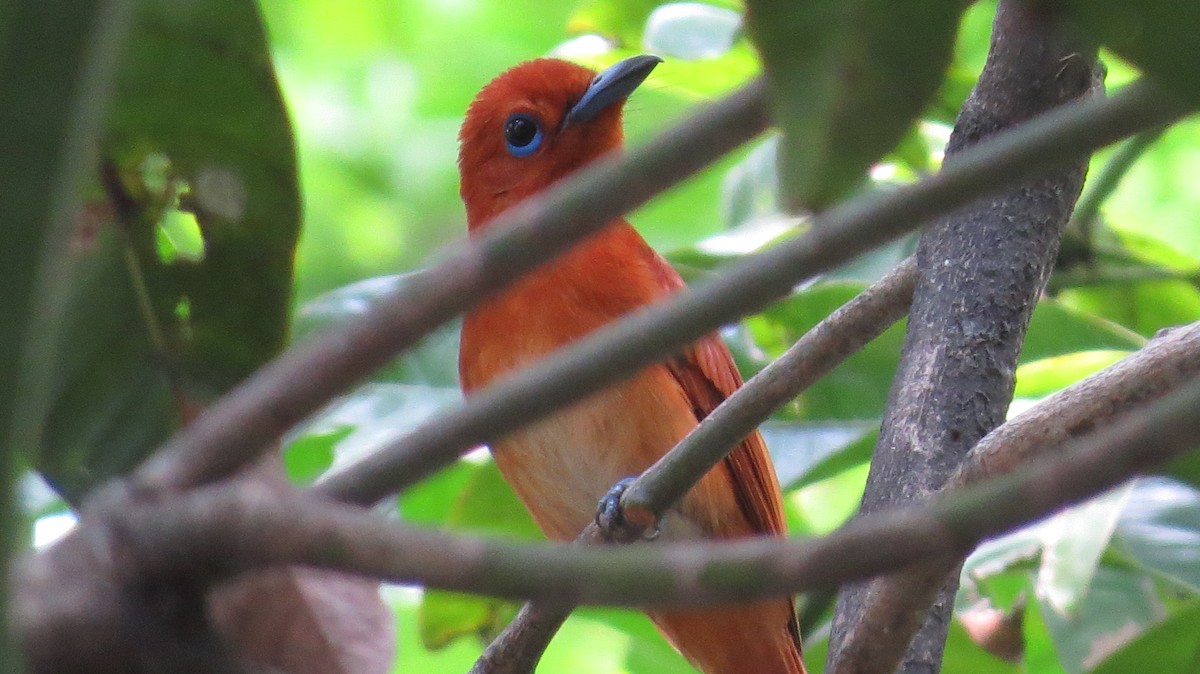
(522, 134)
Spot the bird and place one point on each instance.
(533, 125)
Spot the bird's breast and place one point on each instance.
(561, 466)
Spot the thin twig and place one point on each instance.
(1124, 275)
(520, 646)
(836, 236)
(837, 337)
(1169, 360)
(251, 418)
(1088, 208)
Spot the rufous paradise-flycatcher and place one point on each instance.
(530, 127)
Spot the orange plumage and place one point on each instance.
(530, 127)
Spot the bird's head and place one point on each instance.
(536, 123)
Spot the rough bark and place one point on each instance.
(981, 271)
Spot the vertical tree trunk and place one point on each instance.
(981, 271)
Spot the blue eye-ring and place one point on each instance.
(522, 134)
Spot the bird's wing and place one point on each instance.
(707, 374)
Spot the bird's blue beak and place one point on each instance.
(612, 85)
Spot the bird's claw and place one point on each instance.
(614, 523)
(609, 516)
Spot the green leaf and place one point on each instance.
(856, 389)
(310, 455)
(151, 331)
(417, 384)
(444, 617)
(1152, 249)
(1073, 542)
(197, 96)
(648, 652)
(433, 361)
(1186, 468)
(1156, 35)
(56, 65)
(1171, 647)
(485, 504)
(1144, 307)
(816, 652)
(55, 74)
(112, 401)
(807, 453)
(377, 414)
(1159, 531)
(1152, 212)
(964, 655)
(488, 505)
(620, 21)
(848, 79)
(914, 152)
(825, 505)
(1003, 590)
(874, 264)
(591, 645)
(1041, 655)
(1057, 329)
(998, 555)
(1154, 529)
(691, 30)
(702, 259)
(430, 502)
(750, 187)
(1119, 605)
(1043, 377)
(592, 641)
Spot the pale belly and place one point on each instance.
(561, 466)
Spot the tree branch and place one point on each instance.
(836, 236)
(1087, 211)
(1171, 359)
(519, 647)
(837, 337)
(247, 421)
(982, 270)
(217, 531)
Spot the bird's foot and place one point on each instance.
(621, 524)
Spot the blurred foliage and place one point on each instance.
(190, 199)
(848, 78)
(187, 234)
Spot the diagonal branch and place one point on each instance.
(518, 648)
(1171, 359)
(839, 336)
(842, 232)
(844, 332)
(218, 530)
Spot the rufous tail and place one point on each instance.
(749, 639)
